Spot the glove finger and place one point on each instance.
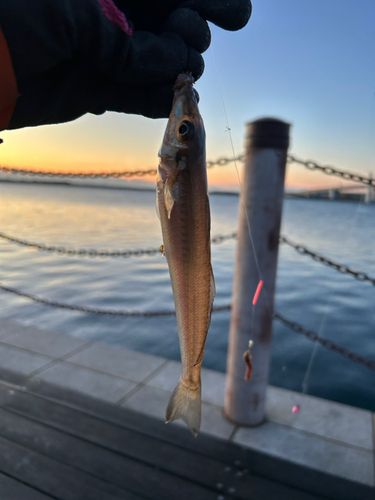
(159, 59)
(229, 15)
(190, 26)
(194, 65)
(76, 88)
(152, 101)
(148, 15)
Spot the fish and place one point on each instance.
(184, 211)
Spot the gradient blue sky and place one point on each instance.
(308, 62)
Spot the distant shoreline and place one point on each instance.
(215, 192)
(73, 184)
(99, 186)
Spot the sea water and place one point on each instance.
(333, 304)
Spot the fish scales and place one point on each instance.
(184, 211)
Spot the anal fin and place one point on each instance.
(211, 303)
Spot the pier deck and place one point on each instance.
(53, 449)
(62, 438)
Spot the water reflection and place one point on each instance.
(115, 219)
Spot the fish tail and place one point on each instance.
(185, 403)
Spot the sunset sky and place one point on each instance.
(308, 62)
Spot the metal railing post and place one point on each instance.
(369, 195)
(262, 194)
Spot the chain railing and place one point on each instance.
(93, 310)
(327, 343)
(349, 176)
(105, 175)
(80, 175)
(82, 252)
(341, 268)
(296, 327)
(221, 162)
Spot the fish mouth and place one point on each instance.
(186, 79)
(182, 80)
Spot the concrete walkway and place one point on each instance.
(325, 436)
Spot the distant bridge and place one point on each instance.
(351, 193)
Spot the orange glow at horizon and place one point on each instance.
(75, 149)
(217, 176)
(49, 160)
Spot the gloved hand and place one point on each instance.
(70, 59)
(187, 17)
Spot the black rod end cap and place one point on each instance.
(268, 133)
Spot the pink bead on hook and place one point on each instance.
(296, 409)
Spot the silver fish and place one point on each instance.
(184, 211)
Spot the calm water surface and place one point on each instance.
(336, 305)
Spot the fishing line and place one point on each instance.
(320, 331)
(247, 355)
(312, 356)
(235, 161)
(322, 324)
(243, 201)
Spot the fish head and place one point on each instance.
(184, 138)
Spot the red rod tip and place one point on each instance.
(256, 296)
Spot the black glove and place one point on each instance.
(187, 17)
(69, 59)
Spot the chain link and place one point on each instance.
(311, 165)
(341, 268)
(81, 175)
(328, 344)
(216, 240)
(93, 310)
(220, 238)
(82, 252)
(221, 162)
(296, 327)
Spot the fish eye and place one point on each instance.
(186, 130)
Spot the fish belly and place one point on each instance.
(186, 239)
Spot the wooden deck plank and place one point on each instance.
(60, 481)
(11, 489)
(97, 461)
(238, 458)
(133, 445)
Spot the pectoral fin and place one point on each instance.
(157, 203)
(168, 199)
